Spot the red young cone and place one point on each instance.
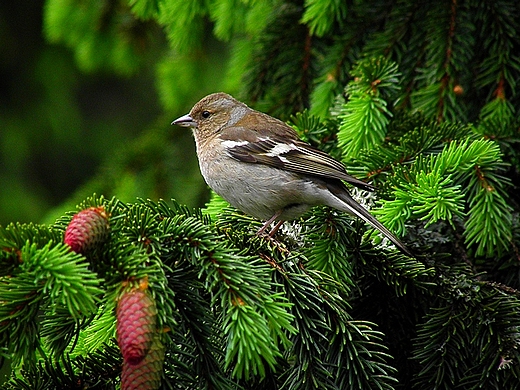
(145, 375)
(136, 315)
(87, 229)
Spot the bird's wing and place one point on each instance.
(289, 154)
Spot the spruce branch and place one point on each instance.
(99, 332)
(309, 368)
(195, 351)
(446, 57)
(183, 25)
(335, 64)
(283, 61)
(330, 252)
(145, 9)
(63, 276)
(19, 327)
(319, 15)
(60, 331)
(398, 271)
(229, 17)
(215, 206)
(370, 368)
(489, 223)
(498, 69)
(432, 190)
(480, 318)
(319, 133)
(251, 319)
(365, 116)
(398, 29)
(46, 376)
(16, 235)
(409, 137)
(50, 277)
(497, 119)
(102, 35)
(327, 335)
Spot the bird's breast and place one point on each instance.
(256, 189)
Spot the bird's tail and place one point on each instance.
(354, 208)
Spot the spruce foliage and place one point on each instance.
(420, 98)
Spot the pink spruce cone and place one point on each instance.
(87, 230)
(145, 375)
(136, 317)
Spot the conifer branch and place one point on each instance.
(421, 101)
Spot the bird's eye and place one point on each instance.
(205, 114)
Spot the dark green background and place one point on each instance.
(61, 127)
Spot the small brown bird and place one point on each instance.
(260, 166)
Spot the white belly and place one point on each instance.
(260, 191)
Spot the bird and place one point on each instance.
(260, 166)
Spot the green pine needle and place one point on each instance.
(320, 15)
(365, 116)
(63, 277)
(439, 187)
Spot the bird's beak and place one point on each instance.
(185, 121)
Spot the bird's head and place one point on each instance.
(212, 113)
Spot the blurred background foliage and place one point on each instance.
(81, 110)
